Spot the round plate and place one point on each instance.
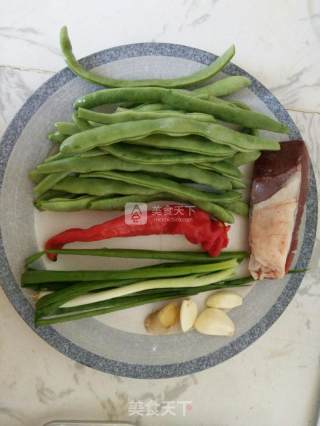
(94, 342)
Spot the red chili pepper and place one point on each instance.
(196, 225)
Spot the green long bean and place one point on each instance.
(50, 194)
(177, 100)
(107, 163)
(148, 150)
(150, 108)
(65, 204)
(241, 158)
(204, 201)
(191, 173)
(162, 108)
(202, 75)
(120, 202)
(35, 176)
(148, 156)
(181, 191)
(103, 187)
(88, 154)
(237, 206)
(48, 182)
(237, 182)
(134, 115)
(99, 187)
(66, 128)
(224, 167)
(113, 133)
(224, 87)
(194, 144)
(56, 137)
(79, 122)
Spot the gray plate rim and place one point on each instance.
(73, 351)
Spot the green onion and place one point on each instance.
(154, 271)
(54, 300)
(194, 256)
(108, 306)
(191, 281)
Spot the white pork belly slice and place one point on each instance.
(278, 195)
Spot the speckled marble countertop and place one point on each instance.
(276, 380)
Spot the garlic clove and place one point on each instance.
(215, 323)
(169, 315)
(163, 319)
(224, 300)
(188, 314)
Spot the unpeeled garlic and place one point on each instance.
(161, 320)
(169, 315)
(215, 323)
(188, 314)
(224, 300)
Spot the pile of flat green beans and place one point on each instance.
(160, 140)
